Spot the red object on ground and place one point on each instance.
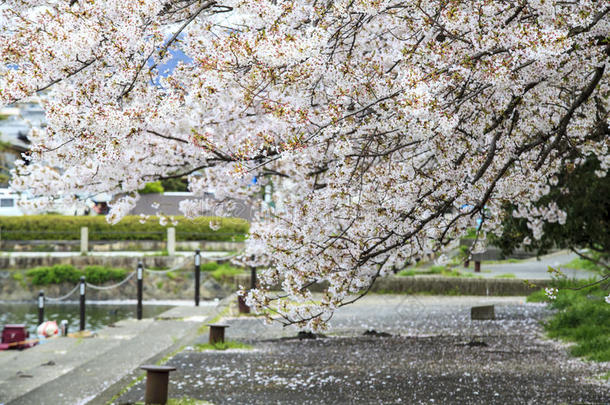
(15, 337)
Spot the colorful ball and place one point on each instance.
(47, 329)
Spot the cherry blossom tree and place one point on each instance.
(385, 128)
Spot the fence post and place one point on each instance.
(197, 274)
(140, 286)
(171, 241)
(477, 266)
(82, 303)
(84, 239)
(40, 307)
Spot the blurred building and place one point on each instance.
(16, 122)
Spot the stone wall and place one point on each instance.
(440, 285)
(179, 285)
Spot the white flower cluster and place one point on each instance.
(364, 135)
(551, 293)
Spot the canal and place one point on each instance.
(99, 314)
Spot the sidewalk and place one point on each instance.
(74, 371)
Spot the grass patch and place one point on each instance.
(209, 266)
(171, 275)
(583, 264)
(507, 275)
(158, 254)
(506, 261)
(435, 270)
(222, 346)
(583, 317)
(205, 328)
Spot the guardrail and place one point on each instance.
(139, 272)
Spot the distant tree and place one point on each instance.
(173, 184)
(584, 197)
(154, 187)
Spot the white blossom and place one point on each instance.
(363, 135)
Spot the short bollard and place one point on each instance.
(477, 266)
(82, 303)
(483, 313)
(157, 380)
(217, 333)
(40, 307)
(241, 304)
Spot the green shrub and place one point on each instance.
(471, 233)
(583, 317)
(225, 271)
(152, 188)
(57, 274)
(65, 273)
(209, 266)
(102, 274)
(63, 227)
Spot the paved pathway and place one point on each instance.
(74, 371)
(535, 268)
(436, 355)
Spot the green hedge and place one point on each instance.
(63, 227)
(66, 273)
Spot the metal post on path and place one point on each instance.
(140, 288)
(197, 275)
(252, 277)
(477, 266)
(40, 307)
(82, 302)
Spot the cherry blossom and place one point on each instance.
(380, 131)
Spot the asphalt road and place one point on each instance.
(535, 268)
